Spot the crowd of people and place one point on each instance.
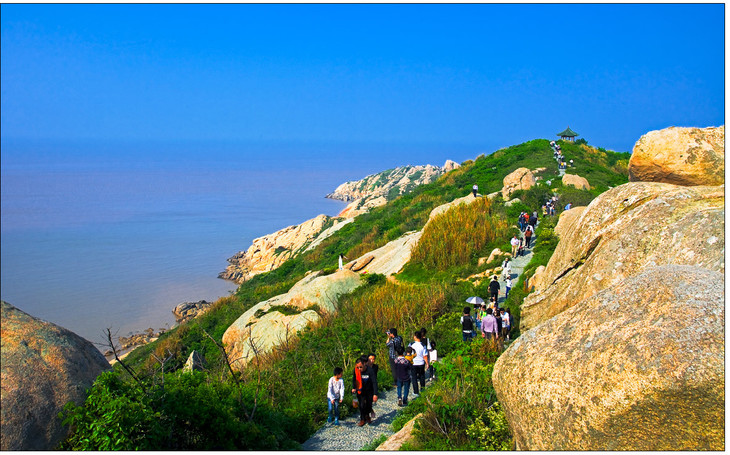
(410, 365)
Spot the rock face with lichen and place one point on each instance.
(637, 366)
(272, 322)
(682, 156)
(625, 231)
(44, 366)
(519, 179)
(577, 181)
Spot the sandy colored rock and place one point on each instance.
(624, 231)
(450, 166)
(512, 202)
(577, 181)
(537, 281)
(403, 435)
(520, 179)
(496, 253)
(267, 327)
(638, 366)
(270, 251)
(566, 220)
(339, 224)
(391, 257)
(44, 366)
(682, 156)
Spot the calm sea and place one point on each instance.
(116, 235)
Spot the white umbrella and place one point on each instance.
(475, 300)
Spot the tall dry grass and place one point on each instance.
(457, 236)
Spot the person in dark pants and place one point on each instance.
(494, 289)
(394, 340)
(364, 388)
(467, 325)
(420, 363)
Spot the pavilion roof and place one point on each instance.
(567, 133)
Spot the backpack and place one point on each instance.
(467, 324)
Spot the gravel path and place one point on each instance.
(348, 436)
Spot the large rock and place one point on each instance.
(265, 326)
(566, 220)
(405, 434)
(624, 231)
(447, 206)
(388, 259)
(638, 366)
(520, 179)
(682, 156)
(270, 251)
(577, 181)
(44, 366)
(186, 311)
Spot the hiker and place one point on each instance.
(430, 348)
(521, 221)
(467, 325)
(335, 393)
(480, 315)
(511, 322)
(494, 288)
(364, 389)
(497, 313)
(505, 324)
(340, 260)
(489, 325)
(420, 363)
(515, 242)
(409, 355)
(394, 340)
(507, 286)
(371, 363)
(533, 220)
(403, 376)
(528, 236)
(506, 268)
(474, 189)
(568, 206)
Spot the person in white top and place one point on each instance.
(335, 392)
(515, 242)
(420, 363)
(474, 189)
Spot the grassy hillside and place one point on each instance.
(285, 389)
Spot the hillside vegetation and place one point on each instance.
(278, 400)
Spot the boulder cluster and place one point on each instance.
(623, 337)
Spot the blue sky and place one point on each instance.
(478, 75)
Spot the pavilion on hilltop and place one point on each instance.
(568, 134)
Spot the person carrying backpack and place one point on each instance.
(528, 236)
(494, 289)
(467, 325)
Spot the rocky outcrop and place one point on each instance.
(403, 435)
(195, 362)
(577, 181)
(566, 220)
(186, 311)
(638, 366)
(444, 207)
(625, 231)
(327, 233)
(272, 322)
(270, 251)
(682, 156)
(44, 366)
(388, 259)
(519, 179)
(377, 189)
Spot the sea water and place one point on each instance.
(100, 235)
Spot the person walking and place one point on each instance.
(430, 347)
(515, 242)
(420, 363)
(335, 393)
(340, 260)
(364, 389)
(528, 236)
(494, 289)
(506, 326)
(467, 325)
(489, 325)
(403, 374)
(507, 286)
(475, 189)
(394, 340)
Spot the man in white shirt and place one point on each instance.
(515, 242)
